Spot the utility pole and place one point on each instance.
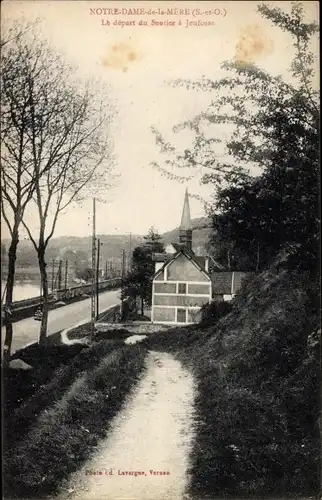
(106, 269)
(93, 271)
(59, 274)
(53, 276)
(122, 279)
(130, 253)
(66, 273)
(97, 277)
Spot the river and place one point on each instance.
(22, 290)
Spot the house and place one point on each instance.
(182, 283)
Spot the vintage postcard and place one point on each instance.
(160, 250)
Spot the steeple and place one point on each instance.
(185, 229)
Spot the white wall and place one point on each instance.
(158, 266)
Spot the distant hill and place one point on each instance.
(201, 230)
(68, 247)
(65, 247)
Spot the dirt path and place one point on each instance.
(153, 432)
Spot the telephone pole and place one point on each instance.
(60, 274)
(93, 270)
(97, 277)
(122, 280)
(53, 276)
(66, 273)
(130, 253)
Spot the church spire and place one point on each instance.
(185, 229)
(185, 218)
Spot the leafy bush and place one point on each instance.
(174, 340)
(211, 313)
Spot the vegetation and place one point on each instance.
(85, 274)
(256, 366)
(77, 250)
(257, 386)
(273, 128)
(256, 360)
(211, 313)
(59, 424)
(50, 125)
(138, 282)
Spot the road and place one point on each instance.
(26, 331)
(153, 435)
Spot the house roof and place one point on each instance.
(226, 282)
(199, 261)
(181, 246)
(158, 257)
(214, 263)
(238, 278)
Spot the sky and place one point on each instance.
(135, 64)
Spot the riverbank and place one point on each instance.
(26, 308)
(26, 331)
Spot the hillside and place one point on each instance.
(200, 235)
(257, 372)
(65, 247)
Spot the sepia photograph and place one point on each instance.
(160, 250)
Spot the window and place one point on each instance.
(182, 288)
(181, 316)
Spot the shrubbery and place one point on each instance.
(257, 387)
(258, 397)
(211, 313)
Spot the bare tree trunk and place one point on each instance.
(44, 285)
(142, 306)
(12, 255)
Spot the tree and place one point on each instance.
(85, 274)
(3, 251)
(78, 260)
(59, 131)
(17, 174)
(273, 127)
(138, 283)
(153, 241)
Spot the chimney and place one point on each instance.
(185, 229)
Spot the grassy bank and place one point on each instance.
(257, 378)
(55, 367)
(54, 431)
